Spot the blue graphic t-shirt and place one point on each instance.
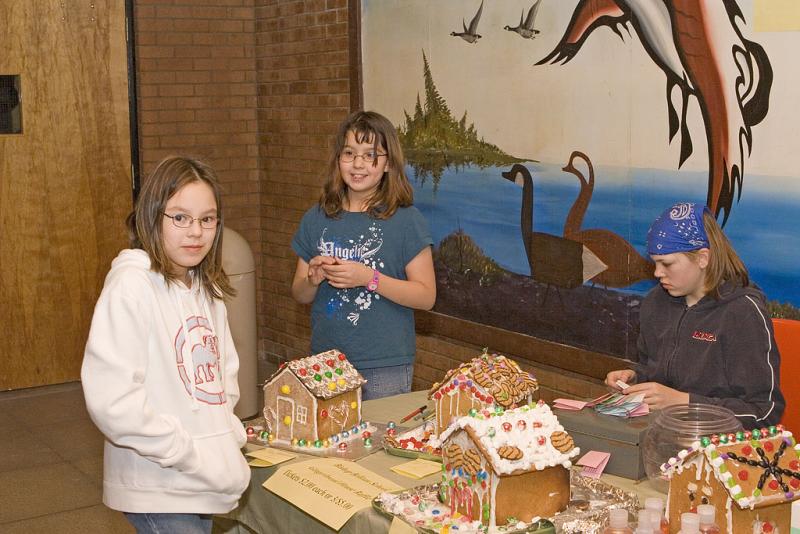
(371, 330)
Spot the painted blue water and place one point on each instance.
(762, 227)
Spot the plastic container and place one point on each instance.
(707, 514)
(643, 522)
(675, 428)
(690, 523)
(658, 521)
(618, 522)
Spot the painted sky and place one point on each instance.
(609, 101)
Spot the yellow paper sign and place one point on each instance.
(399, 526)
(271, 456)
(418, 468)
(255, 462)
(776, 15)
(329, 489)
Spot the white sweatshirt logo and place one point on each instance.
(204, 361)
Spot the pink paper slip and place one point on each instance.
(642, 409)
(569, 404)
(593, 462)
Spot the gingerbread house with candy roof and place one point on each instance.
(751, 478)
(313, 399)
(483, 382)
(507, 466)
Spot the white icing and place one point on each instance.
(534, 455)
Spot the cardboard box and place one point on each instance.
(622, 437)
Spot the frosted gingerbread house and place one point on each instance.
(483, 382)
(751, 479)
(506, 466)
(313, 398)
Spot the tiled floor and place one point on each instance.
(51, 464)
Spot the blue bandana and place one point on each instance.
(679, 229)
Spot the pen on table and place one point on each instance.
(424, 414)
(412, 414)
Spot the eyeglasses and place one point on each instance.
(181, 220)
(349, 156)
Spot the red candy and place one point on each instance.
(773, 485)
(541, 440)
(323, 413)
(794, 483)
(302, 371)
(537, 424)
(768, 446)
(794, 465)
(743, 475)
(330, 362)
(715, 439)
(315, 367)
(766, 527)
(341, 357)
(747, 450)
(521, 424)
(507, 426)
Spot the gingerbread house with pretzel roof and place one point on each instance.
(313, 398)
(751, 479)
(482, 383)
(507, 466)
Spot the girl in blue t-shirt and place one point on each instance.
(364, 257)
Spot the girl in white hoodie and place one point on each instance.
(159, 372)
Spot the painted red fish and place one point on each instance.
(699, 46)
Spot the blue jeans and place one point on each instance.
(170, 523)
(386, 381)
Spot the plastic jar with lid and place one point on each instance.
(675, 428)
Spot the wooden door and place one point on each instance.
(65, 181)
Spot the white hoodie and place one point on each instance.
(172, 444)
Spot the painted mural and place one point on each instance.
(543, 137)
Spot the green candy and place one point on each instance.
(740, 436)
(772, 430)
(339, 371)
(318, 377)
(328, 374)
(705, 441)
(473, 412)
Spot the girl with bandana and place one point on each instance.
(705, 333)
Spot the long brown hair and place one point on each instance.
(146, 220)
(393, 192)
(724, 265)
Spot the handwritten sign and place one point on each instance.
(268, 456)
(330, 489)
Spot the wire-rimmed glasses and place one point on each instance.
(182, 220)
(348, 156)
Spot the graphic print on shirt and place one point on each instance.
(350, 303)
(203, 345)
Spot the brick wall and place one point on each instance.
(197, 95)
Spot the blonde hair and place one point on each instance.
(724, 265)
(146, 220)
(394, 190)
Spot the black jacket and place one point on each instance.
(719, 351)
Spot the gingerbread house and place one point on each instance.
(507, 466)
(483, 382)
(751, 478)
(313, 398)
